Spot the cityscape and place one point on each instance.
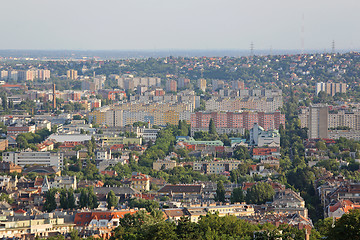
(160, 120)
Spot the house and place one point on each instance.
(181, 191)
(340, 208)
(9, 167)
(140, 182)
(98, 219)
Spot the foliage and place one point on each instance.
(237, 195)
(260, 193)
(50, 202)
(149, 205)
(111, 200)
(220, 192)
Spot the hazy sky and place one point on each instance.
(178, 24)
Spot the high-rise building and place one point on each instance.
(42, 74)
(183, 82)
(318, 121)
(226, 122)
(171, 86)
(237, 85)
(202, 84)
(13, 75)
(4, 75)
(330, 88)
(27, 75)
(72, 74)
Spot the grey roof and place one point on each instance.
(116, 190)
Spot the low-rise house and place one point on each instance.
(98, 219)
(340, 208)
(140, 182)
(164, 164)
(181, 191)
(9, 167)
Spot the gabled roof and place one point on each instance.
(181, 188)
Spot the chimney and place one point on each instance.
(54, 96)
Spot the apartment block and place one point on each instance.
(171, 86)
(318, 121)
(216, 167)
(202, 84)
(72, 74)
(236, 120)
(264, 104)
(130, 82)
(330, 88)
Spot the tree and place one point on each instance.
(260, 193)
(237, 195)
(111, 199)
(71, 199)
(220, 192)
(347, 227)
(93, 201)
(50, 202)
(63, 199)
(212, 128)
(83, 200)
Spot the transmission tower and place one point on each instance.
(333, 47)
(252, 49)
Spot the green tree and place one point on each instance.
(50, 202)
(220, 192)
(63, 198)
(111, 199)
(347, 227)
(71, 199)
(237, 195)
(260, 193)
(212, 128)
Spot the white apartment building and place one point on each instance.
(35, 158)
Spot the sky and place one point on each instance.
(179, 24)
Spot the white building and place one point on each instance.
(259, 137)
(64, 182)
(148, 134)
(34, 158)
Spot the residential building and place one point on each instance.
(34, 158)
(164, 164)
(64, 182)
(72, 74)
(148, 134)
(236, 122)
(330, 88)
(100, 219)
(318, 121)
(9, 167)
(15, 130)
(140, 182)
(216, 167)
(202, 84)
(4, 143)
(171, 85)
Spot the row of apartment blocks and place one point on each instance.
(264, 104)
(156, 113)
(130, 82)
(25, 75)
(330, 88)
(236, 120)
(192, 98)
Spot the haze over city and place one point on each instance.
(158, 24)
